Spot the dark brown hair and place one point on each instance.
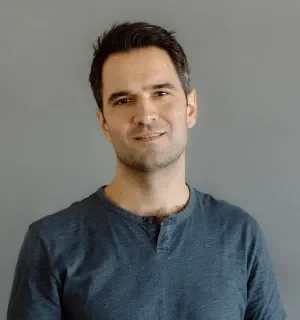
(127, 36)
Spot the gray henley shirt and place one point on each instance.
(97, 261)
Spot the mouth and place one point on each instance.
(150, 137)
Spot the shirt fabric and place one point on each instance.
(97, 261)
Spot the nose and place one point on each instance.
(145, 112)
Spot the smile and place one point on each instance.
(150, 137)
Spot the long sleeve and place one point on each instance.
(35, 291)
(264, 301)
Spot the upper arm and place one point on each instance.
(264, 301)
(35, 291)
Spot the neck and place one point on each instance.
(159, 193)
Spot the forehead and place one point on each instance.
(136, 69)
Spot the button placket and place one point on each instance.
(165, 235)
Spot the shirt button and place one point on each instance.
(151, 220)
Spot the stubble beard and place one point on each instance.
(151, 162)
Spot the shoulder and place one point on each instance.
(70, 224)
(222, 217)
(223, 211)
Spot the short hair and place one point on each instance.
(128, 36)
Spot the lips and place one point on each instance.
(149, 135)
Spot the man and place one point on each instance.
(148, 245)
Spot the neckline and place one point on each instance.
(173, 217)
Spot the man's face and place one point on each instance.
(142, 94)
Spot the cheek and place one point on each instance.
(178, 116)
(119, 133)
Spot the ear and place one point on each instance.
(103, 125)
(191, 108)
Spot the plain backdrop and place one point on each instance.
(245, 148)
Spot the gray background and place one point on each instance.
(245, 148)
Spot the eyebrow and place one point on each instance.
(118, 94)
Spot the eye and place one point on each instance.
(161, 93)
(121, 101)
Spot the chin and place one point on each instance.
(148, 165)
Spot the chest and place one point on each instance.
(186, 282)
